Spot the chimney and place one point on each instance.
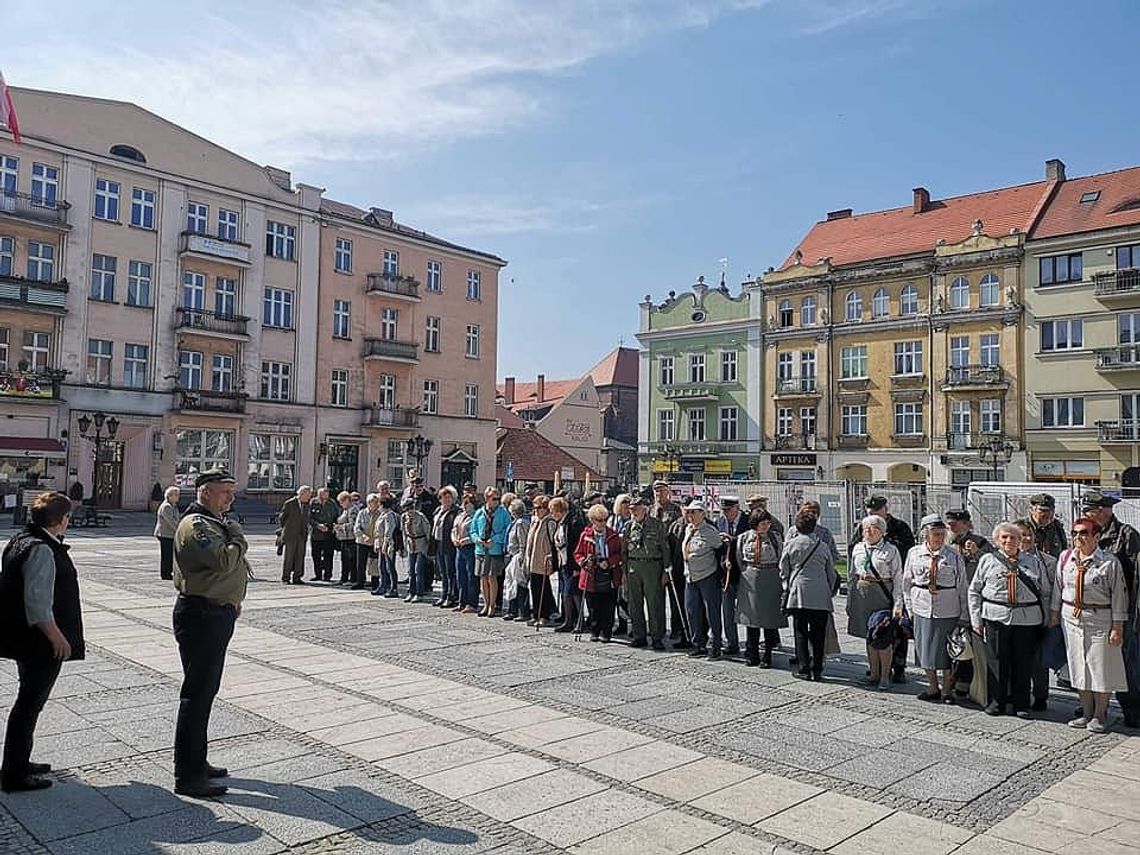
(921, 199)
(841, 214)
(541, 387)
(509, 390)
(1054, 170)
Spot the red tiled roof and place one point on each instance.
(507, 418)
(535, 457)
(902, 232)
(617, 368)
(526, 394)
(1118, 204)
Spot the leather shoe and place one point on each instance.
(217, 771)
(658, 645)
(638, 642)
(1040, 706)
(201, 789)
(25, 784)
(39, 768)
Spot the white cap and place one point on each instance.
(696, 506)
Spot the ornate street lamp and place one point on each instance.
(996, 453)
(419, 447)
(672, 456)
(100, 420)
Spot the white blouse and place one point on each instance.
(948, 598)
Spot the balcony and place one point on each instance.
(975, 377)
(973, 441)
(398, 351)
(392, 417)
(21, 206)
(797, 387)
(41, 384)
(207, 246)
(211, 323)
(795, 442)
(392, 285)
(692, 392)
(207, 401)
(908, 440)
(1122, 431)
(20, 293)
(855, 440)
(908, 381)
(1117, 284)
(1123, 358)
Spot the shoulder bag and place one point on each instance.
(795, 575)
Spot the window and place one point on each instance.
(807, 312)
(1068, 334)
(275, 378)
(807, 366)
(1129, 413)
(1128, 328)
(853, 420)
(784, 421)
(785, 368)
(3, 348)
(338, 388)
(961, 423)
(197, 218)
(37, 348)
(397, 462)
(908, 419)
(142, 208)
(41, 261)
(1062, 412)
(189, 369)
(431, 397)
(908, 300)
(386, 392)
(227, 224)
(665, 369)
(391, 264)
(138, 283)
(989, 290)
(434, 280)
(225, 297)
(1127, 257)
(7, 256)
(135, 359)
(98, 362)
(1090, 197)
(200, 450)
(960, 293)
(990, 411)
(908, 357)
(278, 308)
(696, 424)
(474, 285)
(471, 401)
(193, 291)
(272, 461)
(280, 240)
(990, 349)
(222, 373)
(853, 362)
(696, 368)
(342, 319)
(103, 277)
(45, 185)
(880, 304)
(728, 424)
(472, 350)
(854, 304)
(807, 421)
(665, 426)
(343, 259)
(1058, 269)
(959, 351)
(106, 200)
(728, 366)
(431, 335)
(9, 174)
(787, 315)
(389, 319)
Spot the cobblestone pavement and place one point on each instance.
(357, 725)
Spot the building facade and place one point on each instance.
(566, 413)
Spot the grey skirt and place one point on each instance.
(930, 636)
(864, 598)
(490, 565)
(758, 598)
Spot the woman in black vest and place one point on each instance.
(41, 626)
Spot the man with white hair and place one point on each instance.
(701, 547)
(293, 535)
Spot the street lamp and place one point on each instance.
(996, 453)
(419, 447)
(101, 420)
(625, 465)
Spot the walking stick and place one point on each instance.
(680, 605)
(541, 600)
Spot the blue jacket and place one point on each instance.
(494, 530)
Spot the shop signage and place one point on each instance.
(692, 466)
(793, 459)
(718, 467)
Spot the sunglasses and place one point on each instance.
(1081, 532)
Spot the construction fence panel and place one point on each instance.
(785, 498)
(992, 502)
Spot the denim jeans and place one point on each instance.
(203, 630)
(465, 576)
(417, 574)
(703, 605)
(389, 578)
(445, 560)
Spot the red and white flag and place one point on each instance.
(8, 111)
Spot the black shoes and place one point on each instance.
(898, 677)
(714, 653)
(200, 789)
(217, 771)
(39, 768)
(696, 652)
(26, 784)
(658, 645)
(994, 708)
(682, 644)
(732, 650)
(1040, 705)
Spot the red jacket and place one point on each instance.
(585, 553)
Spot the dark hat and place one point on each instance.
(640, 502)
(875, 502)
(958, 516)
(214, 476)
(657, 485)
(593, 495)
(408, 502)
(469, 486)
(417, 480)
(1097, 499)
(1043, 500)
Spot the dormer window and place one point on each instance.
(128, 152)
(1090, 197)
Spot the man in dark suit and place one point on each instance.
(323, 513)
(293, 535)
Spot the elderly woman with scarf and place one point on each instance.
(539, 559)
(1008, 597)
(934, 590)
(1090, 600)
(873, 577)
(599, 556)
(758, 596)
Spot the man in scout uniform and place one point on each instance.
(645, 548)
(669, 513)
(323, 513)
(1049, 534)
(210, 573)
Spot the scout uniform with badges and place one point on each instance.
(645, 547)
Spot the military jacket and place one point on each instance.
(209, 557)
(645, 545)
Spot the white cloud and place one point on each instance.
(466, 215)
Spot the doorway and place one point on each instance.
(109, 475)
(343, 467)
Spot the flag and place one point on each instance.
(8, 111)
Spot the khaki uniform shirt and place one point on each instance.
(209, 558)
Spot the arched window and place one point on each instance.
(854, 306)
(807, 312)
(990, 290)
(960, 293)
(880, 304)
(129, 152)
(787, 314)
(908, 300)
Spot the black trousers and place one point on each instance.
(203, 630)
(37, 677)
(752, 639)
(166, 557)
(347, 561)
(898, 658)
(1012, 658)
(363, 553)
(810, 627)
(323, 549)
(601, 605)
(541, 596)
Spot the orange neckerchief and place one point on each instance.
(933, 573)
(1079, 599)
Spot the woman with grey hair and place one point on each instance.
(934, 591)
(1009, 596)
(166, 524)
(364, 529)
(872, 579)
(517, 576)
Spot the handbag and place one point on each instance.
(784, 594)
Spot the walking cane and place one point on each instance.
(680, 606)
(541, 599)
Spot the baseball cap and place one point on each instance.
(1043, 500)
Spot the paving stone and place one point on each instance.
(248, 754)
(825, 820)
(1037, 835)
(756, 798)
(438, 758)
(288, 770)
(365, 797)
(669, 832)
(193, 821)
(686, 721)
(80, 748)
(649, 708)
(919, 837)
(542, 733)
(642, 761)
(287, 813)
(406, 742)
(74, 808)
(878, 769)
(599, 743)
(519, 717)
(821, 720)
(735, 843)
(946, 782)
(791, 747)
(533, 795)
(988, 844)
(486, 774)
(356, 731)
(693, 780)
(569, 824)
(139, 788)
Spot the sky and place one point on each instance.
(610, 149)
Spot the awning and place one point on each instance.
(31, 446)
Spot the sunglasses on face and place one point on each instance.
(1081, 532)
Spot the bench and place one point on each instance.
(87, 516)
